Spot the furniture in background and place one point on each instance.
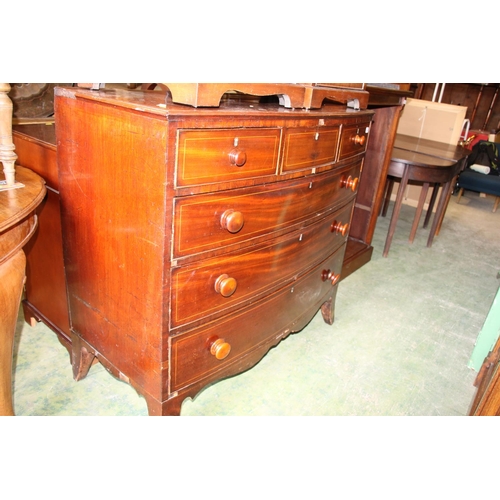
(486, 401)
(386, 101)
(18, 222)
(485, 359)
(433, 121)
(428, 163)
(200, 237)
(45, 290)
(481, 183)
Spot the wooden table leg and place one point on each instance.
(12, 275)
(418, 213)
(428, 215)
(387, 198)
(448, 196)
(440, 211)
(396, 210)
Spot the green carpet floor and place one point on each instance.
(404, 331)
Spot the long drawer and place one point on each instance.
(205, 222)
(195, 355)
(214, 285)
(210, 156)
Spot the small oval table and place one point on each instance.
(429, 163)
(18, 222)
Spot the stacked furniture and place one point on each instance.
(200, 237)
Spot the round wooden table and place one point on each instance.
(428, 163)
(18, 222)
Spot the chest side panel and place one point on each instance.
(112, 177)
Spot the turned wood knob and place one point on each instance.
(237, 157)
(349, 183)
(339, 228)
(232, 221)
(220, 348)
(359, 139)
(225, 285)
(326, 274)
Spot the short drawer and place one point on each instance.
(211, 156)
(353, 140)
(306, 148)
(210, 221)
(202, 353)
(214, 285)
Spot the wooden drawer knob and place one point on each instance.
(225, 285)
(232, 221)
(326, 274)
(349, 183)
(359, 139)
(339, 228)
(237, 157)
(220, 348)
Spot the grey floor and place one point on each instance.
(404, 331)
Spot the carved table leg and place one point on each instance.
(12, 275)
(81, 358)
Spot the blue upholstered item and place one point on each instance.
(481, 183)
(475, 181)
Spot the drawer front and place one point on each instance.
(217, 284)
(205, 222)
(194, 355)
(306, 148)
(353, 141)
(211, 156)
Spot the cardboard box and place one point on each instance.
(434, 121)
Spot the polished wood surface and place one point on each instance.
(183, 267)
(371, 188)
(45, 297)
(17, 225)
(427, 162)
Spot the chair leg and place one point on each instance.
(497, 201)
(460, 193)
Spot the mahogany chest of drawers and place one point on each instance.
(200, 238)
